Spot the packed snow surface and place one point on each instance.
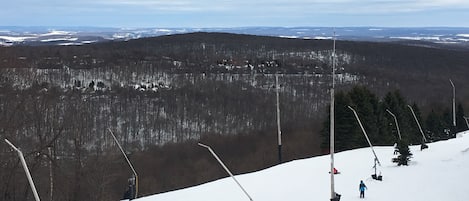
(434, 174)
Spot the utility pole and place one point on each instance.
(26, 170)
(279, 131)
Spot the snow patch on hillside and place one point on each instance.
(463, 35)
(56, 33)
(15, 38)
(59, 39)
(417, 38)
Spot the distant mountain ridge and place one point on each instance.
(84, 35)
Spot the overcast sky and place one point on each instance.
(235, 13)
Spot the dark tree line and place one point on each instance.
(380, 125)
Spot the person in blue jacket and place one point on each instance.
(362, 188)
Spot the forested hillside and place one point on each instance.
(161, 95)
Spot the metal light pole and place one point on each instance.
(128, 162)
(279, 131)
(26, 170)
(334, 196)
(226, 169)
(418, 124)
(51, 175)
(454, 103)
(397, 125)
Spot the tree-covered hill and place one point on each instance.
(160, 95)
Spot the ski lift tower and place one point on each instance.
(376, 160)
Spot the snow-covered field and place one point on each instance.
(52, 36)
(434, 174)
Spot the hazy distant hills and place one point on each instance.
(382, 66)
(85, 35)
(217, 88)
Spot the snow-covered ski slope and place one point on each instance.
(438, 173)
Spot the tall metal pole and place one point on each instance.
(454, 103)
(26, 170)
(279, 131)
(51, 175)
(364, 133)
(397, 125)
(226, 169)
(418, 124)
(128, 162)
(332, 140)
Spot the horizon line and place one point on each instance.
(227, 27)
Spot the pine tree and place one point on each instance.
(460, 122)
(344, 127)
(404, 153)
(415, 136)
(394, 102)
(366, 105)
(435, 126)
(447, 122)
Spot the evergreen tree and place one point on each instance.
(91, 85)
(372, 114)
(435, 126)
(398, 106)
(460, 122)
(415, 136)
(325, 132)
(387, 127)
(344, 130)
(404, 153)
(378, 124)
(366, 105)
(447, 121)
